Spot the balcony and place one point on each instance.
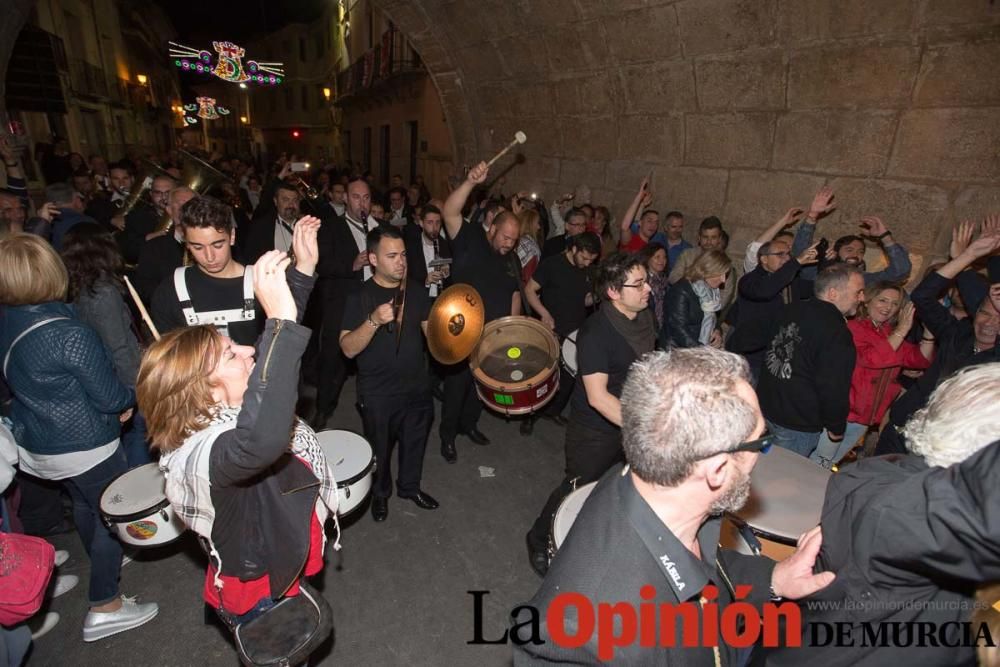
(380, 71)
(87, 80)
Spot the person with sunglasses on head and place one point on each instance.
(692, 432)
(620, 332)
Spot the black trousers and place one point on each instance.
(589, 454)
(41, 507)
(461, 407)
(334, 367)
(563, 394)
(403, 419)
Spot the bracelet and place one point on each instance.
(883, 235)
(372, 324)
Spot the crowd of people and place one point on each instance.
(685, 357)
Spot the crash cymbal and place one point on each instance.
(455, 323)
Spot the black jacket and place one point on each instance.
(682, 315)
(554, 246)
(157, 261)
(762, 294)
(263, 497)
(805, 382)
(415, 266)
(908, 543)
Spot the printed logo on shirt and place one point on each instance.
(672, 569)
(782, 351)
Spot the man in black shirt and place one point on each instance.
(576, 223)
(218, 290)
(484, 260)
(564, 281)
(140, 224)
(620, 332)
(393, 382)
(161, 255)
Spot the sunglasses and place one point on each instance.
(761, 444)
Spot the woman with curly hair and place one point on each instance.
(95, 269)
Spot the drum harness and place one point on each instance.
(220, 319)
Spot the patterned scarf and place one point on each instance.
(711, 303)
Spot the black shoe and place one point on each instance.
(380, 508)
(539, 560)
(448, 451)
(319, 420)
(558, 420)
(478, 437)
(527, 426)
(423, 501)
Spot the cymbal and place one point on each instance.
(455, 323)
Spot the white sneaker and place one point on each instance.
(61, 557)
(64, 584)
(98, 625)
(49, 621)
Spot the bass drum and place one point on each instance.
(566, 515)
(135, 506)
(516, 365)
(352, 463)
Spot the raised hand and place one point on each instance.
(6, 150)
(304, 244)
(961, 236)
(808, 255)
(985, 245)
(791, 215)
(873, 225)
(48, 211)
(478, 174)
(271, 287)
(644, 185)
(995, 295)
(822, 203)
(991, 223)
(906, 314)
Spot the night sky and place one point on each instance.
(216, 19)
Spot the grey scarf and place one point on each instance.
(640, 333)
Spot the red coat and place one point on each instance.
(873, 385)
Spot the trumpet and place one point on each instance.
(306, 190)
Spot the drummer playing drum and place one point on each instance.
(383, 329)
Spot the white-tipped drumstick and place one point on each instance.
(142, 309)
(519, 138)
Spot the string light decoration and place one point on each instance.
(229, 64)
(206, 109)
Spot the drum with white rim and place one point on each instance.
(135, 506)
(786, 500)
(352, 463)
(568, 510)
(569, 352)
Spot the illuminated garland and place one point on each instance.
(206, 108)
(229, 64)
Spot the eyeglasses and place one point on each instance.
(639, 284)
(761, 444)
(777, 254)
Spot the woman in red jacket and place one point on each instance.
(879, 332)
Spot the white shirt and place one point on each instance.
(283, 237)
(429, 254)
(359, 237)
(340, 209)
(62, 466)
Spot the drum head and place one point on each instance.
(569, 351)
(514, 352)
(138, 490)
(568, 510)
(786, 498)
(348, 454)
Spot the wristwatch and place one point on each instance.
(883, 235)
(371, 323)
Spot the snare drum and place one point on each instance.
(786, 500)
(516, 365)
(568, 510)
(569, 353)
(135, 506)
(352, 462)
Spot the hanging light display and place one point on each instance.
(228, 65)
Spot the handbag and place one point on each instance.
(287, 633)
(26, 565)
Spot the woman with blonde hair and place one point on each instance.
(242, 470)
(694, 301)
(529, 250)
(67, 410)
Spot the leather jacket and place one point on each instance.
(682, 315)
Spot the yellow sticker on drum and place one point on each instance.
(514, 352)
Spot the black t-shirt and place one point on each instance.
(564, 290)
(382, 371)
(493, 275)
(207, 294)
(599, 349)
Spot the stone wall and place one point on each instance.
(740, 108)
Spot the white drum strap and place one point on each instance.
(217, 318)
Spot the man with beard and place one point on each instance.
(217, 290)
(424, 247)
(393, 384)
(805, 381)
(620, 332)
(711, 236)
(649, 533)
(140, 224)
(273, 231)
(483, 259)
(343, 267)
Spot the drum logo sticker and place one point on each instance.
(541, 391)
(514, 353)
(141, 530)
(503, 399)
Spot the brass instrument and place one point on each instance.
(306, 190)
(141, 186)
(197, 175)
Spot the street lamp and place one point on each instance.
(243, 119)
(326, 93)
(243, 86)
(142, 79)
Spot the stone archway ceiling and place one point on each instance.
(738, 107)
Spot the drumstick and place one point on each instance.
(142, 309)
(519, 138)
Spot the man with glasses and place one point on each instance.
(609, 342)
(141, 222)
(691, 432)
(576, 223)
